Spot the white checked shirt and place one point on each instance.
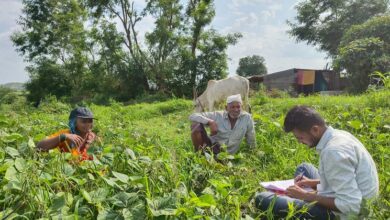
(347, 171)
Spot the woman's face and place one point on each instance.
(84, 125)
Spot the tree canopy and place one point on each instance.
(252, 65)
(364, 49)
(323, 23)
(77, 51)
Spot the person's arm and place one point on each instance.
(204, 117)
(299, 193)
(250, 134)
(303, 181)
(339, 171)
(50, 143)
(340, 175)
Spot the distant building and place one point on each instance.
(300, 80)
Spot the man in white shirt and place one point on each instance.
(346, 176)
(227, 127)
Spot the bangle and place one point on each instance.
(62, 137)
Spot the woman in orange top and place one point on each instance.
(77, 138)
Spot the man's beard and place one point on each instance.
(314, 142)
(234, 115)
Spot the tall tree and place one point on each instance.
(252, 65)
(323, 22)
(200, 13)
(364, 49)
(163, 41)
(79, 43)
(129, 17)
(53, 34)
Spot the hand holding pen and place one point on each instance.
(303, 181)
(299, 178)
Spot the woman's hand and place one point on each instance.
(74, 138)
(90, 137)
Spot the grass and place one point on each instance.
(145, 166)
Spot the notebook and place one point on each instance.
(280, 186)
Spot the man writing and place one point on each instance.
(227, 127)
(345, 178)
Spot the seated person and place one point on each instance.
(227, 127)
(77, 139)
(345, 178)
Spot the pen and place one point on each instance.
(300, 177)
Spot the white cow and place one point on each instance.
(218, 90)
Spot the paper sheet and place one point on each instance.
(280, 185)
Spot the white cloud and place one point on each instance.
(9, 9)
(237, 3)
(279, 50)
(12, 66)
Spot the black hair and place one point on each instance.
(302, 118)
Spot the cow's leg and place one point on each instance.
(199, 136)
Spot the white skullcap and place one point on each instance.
(234, 98)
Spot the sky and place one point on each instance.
(261, 22)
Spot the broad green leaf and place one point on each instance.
(86, 196)
(109, 215)
(31, 143)
(219, 183)
(90, 176)
(13, 185)
(121, 177)
(12, 152)
(58, 202)
(130, 153)
(122, 199)
(20, 164)
(45, 176)
(111, 182)
(206, 200)
(11, 173)
(162, 206)
(99, 195)
(68, 169)
(356, 124)
(12, 138)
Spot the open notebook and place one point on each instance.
(280, 186)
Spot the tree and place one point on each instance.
(364, 49)
(323, 23)
(78, 44)
(200, 13)
(53, 39)
(252, 65)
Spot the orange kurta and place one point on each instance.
(66, 146)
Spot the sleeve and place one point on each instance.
(339, 171)
(203, 117)
(250, 134)
(63, 146)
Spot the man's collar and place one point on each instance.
(324, 139)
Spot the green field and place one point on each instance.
(145, 166)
